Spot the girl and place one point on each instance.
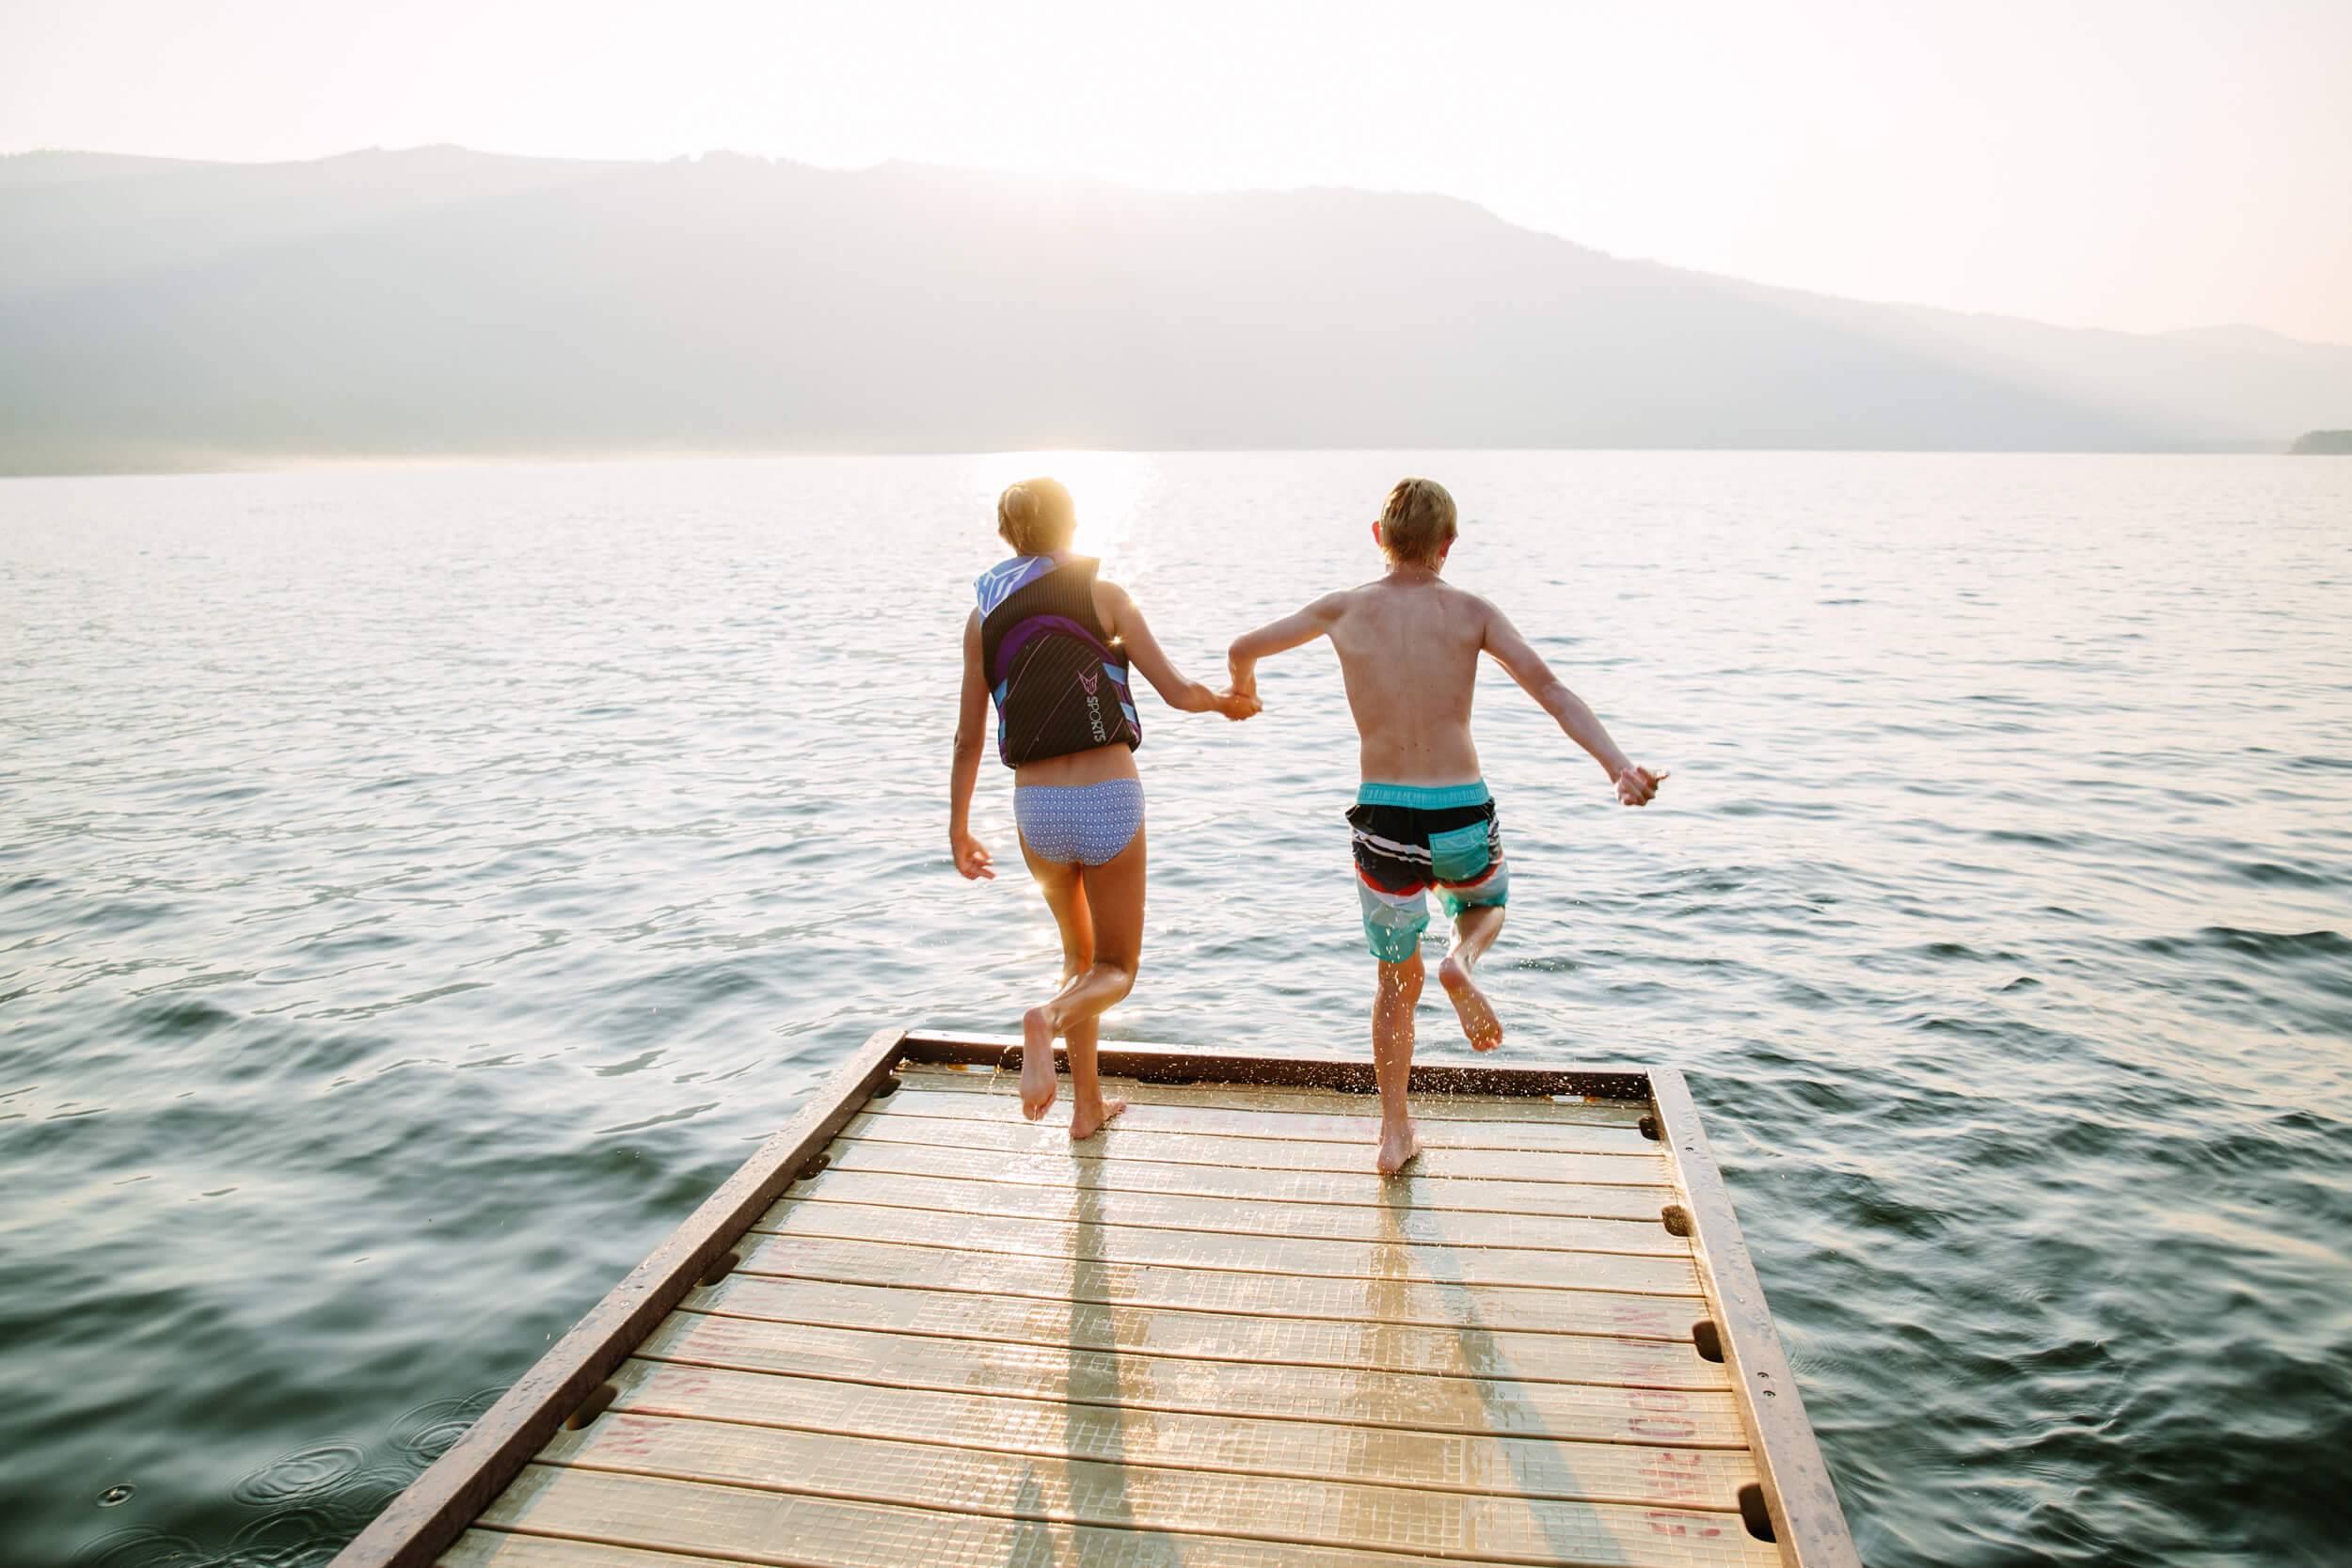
(1051, 643)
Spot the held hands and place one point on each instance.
(972, 857)
(1236, 705)
(1241, 689)
(1638, 786)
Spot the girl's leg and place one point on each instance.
(1114, 899)
(1065, 894)
(1115, 889)
(1088, 1111)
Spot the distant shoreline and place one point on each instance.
(442, 304)
(216, 464)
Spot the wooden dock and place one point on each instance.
(917, 1329)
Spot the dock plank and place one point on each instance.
(1399, 1220)
(1707, 1479)
(1392, 1300)
(1059, 1168)
(647, 1515)
(919, 1100)
(1121, 1141)
(1696, 1419)
(493, 1548)
(1244, 1097)
(1217, 1336)
(1092, 1242)
(1144, 1497)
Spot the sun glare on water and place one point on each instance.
(1108, 487)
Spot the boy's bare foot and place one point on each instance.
(1478, 1018)
(1399, 1147)
(1036, 1064)
(1084, 1125)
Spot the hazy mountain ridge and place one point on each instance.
(439, 301)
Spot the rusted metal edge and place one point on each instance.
(438, 1505)
(1173, 1064)
(1808, 1525)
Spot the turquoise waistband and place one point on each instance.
(1422, 797)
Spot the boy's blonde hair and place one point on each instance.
(1037, 515)
(1417, 523)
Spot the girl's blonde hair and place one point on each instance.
(1417, 523)
(1037, 515)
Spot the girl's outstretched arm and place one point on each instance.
(971, 856)
(1124, 621)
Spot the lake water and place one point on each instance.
(419, 887)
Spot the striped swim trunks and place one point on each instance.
(1407, 839)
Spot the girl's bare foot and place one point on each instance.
(1036, 1064)
(1399, 1148)
(1084, 1125)
(1478, 1018)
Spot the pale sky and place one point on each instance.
(2147, 165)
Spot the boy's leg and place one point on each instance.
(1474, 888)
(1392, 1059)
(1474, 931)
(1393, 923)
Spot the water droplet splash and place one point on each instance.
(304, 1473)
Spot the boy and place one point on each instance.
(1408, 645)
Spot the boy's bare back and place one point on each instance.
(1408, 651)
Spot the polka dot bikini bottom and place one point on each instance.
(1086, 823)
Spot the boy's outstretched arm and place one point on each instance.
(1635, 785)
(1293, 631)
(1127, 624)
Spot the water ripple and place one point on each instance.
(419, 887)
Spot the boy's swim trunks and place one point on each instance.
(1086, 823)
(1408, 839)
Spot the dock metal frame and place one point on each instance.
(1807, 1525)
